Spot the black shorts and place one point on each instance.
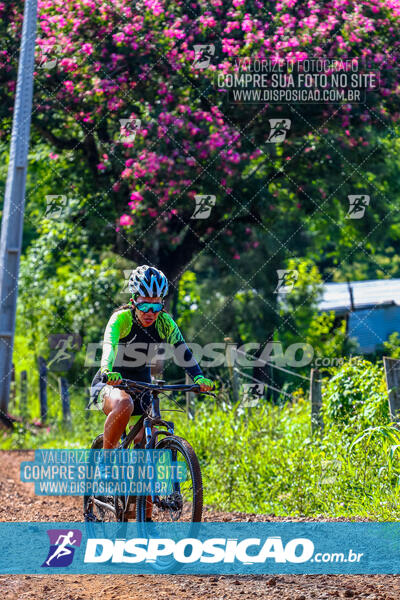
(141, 400)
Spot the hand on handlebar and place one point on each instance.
(206, 385)
(113, 378)
(201, 385)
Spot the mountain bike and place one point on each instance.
(185, 502)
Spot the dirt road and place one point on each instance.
(19, 503)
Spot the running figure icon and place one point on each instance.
(62, 547)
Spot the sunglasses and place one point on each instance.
(146, 306)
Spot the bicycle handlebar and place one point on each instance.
(142, 385)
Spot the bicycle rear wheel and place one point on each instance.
(185, 503)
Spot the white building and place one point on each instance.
(372, 309)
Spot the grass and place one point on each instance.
(265, 460)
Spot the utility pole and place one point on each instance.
(14, 199)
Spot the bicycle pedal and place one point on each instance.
(91, 518)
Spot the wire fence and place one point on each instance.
(240, 385)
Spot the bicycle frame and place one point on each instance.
(150, 420)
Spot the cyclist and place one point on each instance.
(143, 321)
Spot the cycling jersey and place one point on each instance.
(128, 348)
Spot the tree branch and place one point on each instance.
(59, 143)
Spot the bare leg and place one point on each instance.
(118, 407)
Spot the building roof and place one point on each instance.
(366, 294)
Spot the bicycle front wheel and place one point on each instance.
(185, 501)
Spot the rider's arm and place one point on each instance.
(169, 331)
(117, 327)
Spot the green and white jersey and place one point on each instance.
(128, 348)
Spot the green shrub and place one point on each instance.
(356, 395)
(392, 346)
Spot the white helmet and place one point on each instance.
(148, 281)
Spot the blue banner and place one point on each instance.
(201, 548)
(108, 472)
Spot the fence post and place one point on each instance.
(392, 374)
(64, 393)
(43, 388)
(12, 387)
(316, 401)
(23, 390)
(189, 396)
(87, 399)
(231, 359)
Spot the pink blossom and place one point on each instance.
(207, 21)
(69, 85)
(231, 25)
(87, 49)
(155, 7)
(125, 220)
(247, 24)
(136, 197)
(118, 38)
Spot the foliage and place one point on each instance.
(86, 424)
(392, 346)
(188, 300)
(300, 319)
(63, 289)
(356, 393)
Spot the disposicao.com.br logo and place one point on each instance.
(213, 550)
